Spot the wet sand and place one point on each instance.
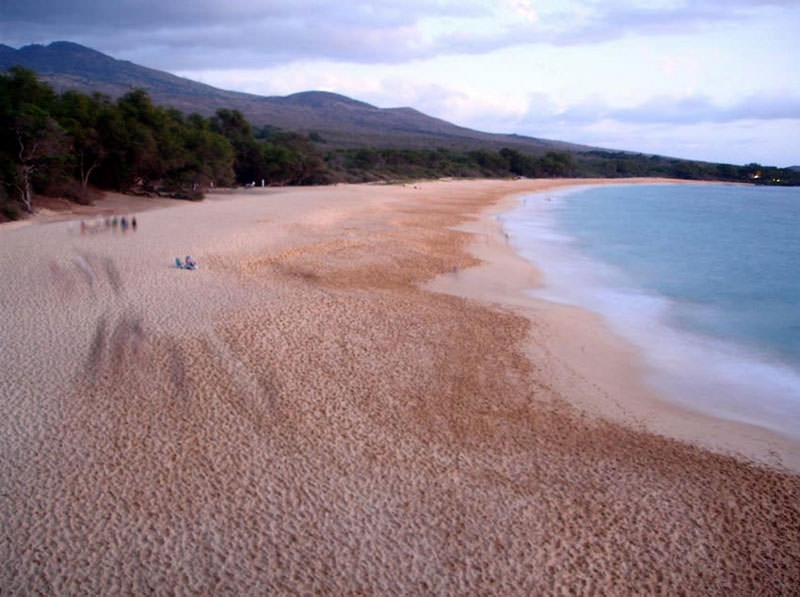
(352, 395)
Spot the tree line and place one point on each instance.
(363, 165)
(67, 144)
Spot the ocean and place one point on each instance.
(704, 279)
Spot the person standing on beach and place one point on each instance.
(133, 223)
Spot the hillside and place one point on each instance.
(339, 120)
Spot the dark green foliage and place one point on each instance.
(85, 120)
(407, 164)
(269, 154)
(624, 164)
(62, 145)
(32, 142)
(365, 165)
(519, 163)
(8, 208)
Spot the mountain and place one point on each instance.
(339, 120)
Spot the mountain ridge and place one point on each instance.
(337, 119)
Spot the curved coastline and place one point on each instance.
(352, 394)
(745, 437)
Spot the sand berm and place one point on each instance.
(351, 395)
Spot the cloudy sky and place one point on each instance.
(705, 79)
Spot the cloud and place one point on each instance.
(462, 106)
(522, 9)
(701, 109)
(742, 142)
(509, 66)
(125, 14)
(172, 31)
(175, 34)
(695, 109)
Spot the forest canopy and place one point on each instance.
(67, 144)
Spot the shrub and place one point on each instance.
(9, 211)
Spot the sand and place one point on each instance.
(352, 395)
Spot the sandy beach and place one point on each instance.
(352, 395)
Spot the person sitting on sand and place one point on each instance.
(190, 263)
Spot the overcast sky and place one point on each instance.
(715, 80)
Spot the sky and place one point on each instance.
(713, 80)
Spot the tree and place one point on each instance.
(364, 159)
(211, 154)
(33, 136)
(248, 159)
(82, 117)
(754, 171)
(307, 165)
(519, 163)
(557, 163)
(687, 170)
(140, 121)
(490, 162)
(38, 138)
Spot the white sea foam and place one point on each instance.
(708, 374)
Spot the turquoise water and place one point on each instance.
(705, 279)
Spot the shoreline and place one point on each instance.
(352, 394)
(621, 371)
(616, 367)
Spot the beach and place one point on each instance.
(352, 394)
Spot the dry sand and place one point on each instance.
(352, 396)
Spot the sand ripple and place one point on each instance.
(306, 419)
